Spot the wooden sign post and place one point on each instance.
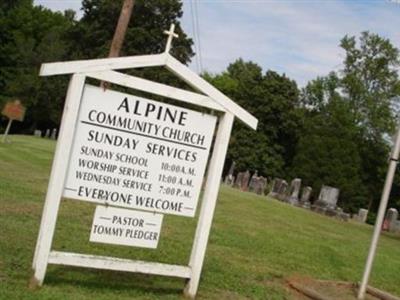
(111, 143)
(13, 111)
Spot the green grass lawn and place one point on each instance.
(255, 243)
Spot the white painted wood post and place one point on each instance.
(7, 130)
(57, 178)
(209, 202)
(381, 214)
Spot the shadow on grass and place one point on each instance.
(112, 281)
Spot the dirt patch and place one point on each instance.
(325, 290)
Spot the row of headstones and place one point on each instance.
(325, 204)
(245, 182)
(52, 134)
(390, 223)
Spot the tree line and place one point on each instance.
(336, 130)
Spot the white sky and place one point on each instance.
(297, 37)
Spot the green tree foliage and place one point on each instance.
(30, 36)
(334, 132)
(273, 99)
(327, 153)
(370, 84)
(370, 81)
(348, 118)
(92, 35)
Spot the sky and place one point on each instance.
(297, 37)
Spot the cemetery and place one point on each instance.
(133, 176)
(272, 241)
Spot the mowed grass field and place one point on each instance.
(256, 243)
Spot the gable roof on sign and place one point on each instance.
(102, 69)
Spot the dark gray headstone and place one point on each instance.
(232, 168)
(245, 181)
(253, 182)
(282, 190)
(47, 133)
(391, 218)
(294, 191)
(238, 181)
(261, 185)
(305, 197)
(276, 185)
(306, 194)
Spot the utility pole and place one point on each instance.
(120, 30)
(394, 159)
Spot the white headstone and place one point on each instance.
(54, 133)
(328, 197)
(37, 133)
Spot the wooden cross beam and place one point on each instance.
(171, 34)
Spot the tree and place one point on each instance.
(32, 35)
(273, 100)
(92, 35)
(327, 153)
(371, 85)
(370, 82)
(320, 91)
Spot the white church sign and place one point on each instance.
(137, 159)
(138, 153)
(125, 227)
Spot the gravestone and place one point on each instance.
(233, 180)
(362, 215)
(305, 197)
(294, 191)
(232, 168)
(261, 185)
(238, 180)
(245, 181)
(229, 178)
(253, 182)
(37, 133)
(276, 185)
(47, 134)
(390, 219)
(282, 190)
(328, 197)
(54, 133)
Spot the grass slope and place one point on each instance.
(254, 245)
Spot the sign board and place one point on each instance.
(138, 153)
(14, 111)
(126, 151)
(125, 227)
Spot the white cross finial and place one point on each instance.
(171, 34)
